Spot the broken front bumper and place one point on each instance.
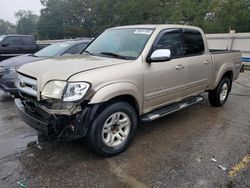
(29, 117)
(75, 126)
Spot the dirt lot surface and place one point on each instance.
(175, 151)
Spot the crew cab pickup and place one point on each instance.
(14, 45)
(126, 76)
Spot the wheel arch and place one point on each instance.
(228, 73)
(126, 92)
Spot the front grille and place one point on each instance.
(29, 97)
(27, 85)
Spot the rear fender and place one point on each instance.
(225, 68)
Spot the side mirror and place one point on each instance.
(160, 56)
(5, 44)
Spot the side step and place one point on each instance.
(171, 109)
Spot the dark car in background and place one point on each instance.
(8, 67)
(14, 45)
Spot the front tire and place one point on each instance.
(219, 95)
(113, 129)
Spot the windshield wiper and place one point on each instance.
(86, 51)
(32, 55)
(113, 55)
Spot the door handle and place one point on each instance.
(179, 67)
(206, 62)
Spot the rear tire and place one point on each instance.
(113, 129)
(219, 95)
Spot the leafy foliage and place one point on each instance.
(78, 18)
(64, 19)
(6, 27)
(26, 23)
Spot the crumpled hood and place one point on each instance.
(19, 61)
(62, 68)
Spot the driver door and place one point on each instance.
(164, 82)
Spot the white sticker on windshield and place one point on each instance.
(143, 32)
(64, 45)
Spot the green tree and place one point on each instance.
(190, 12)
(78, 18)
(75, 18)
(64, 19)
(44, 2)
(6, 27)
(27, 22)
(234, 15)
(214, 16)
(108, 13)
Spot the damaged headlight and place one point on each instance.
(75, 91)
(69, 92)
(54, 89)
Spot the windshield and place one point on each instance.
(2, 37)
(125, 43)
(52, 50)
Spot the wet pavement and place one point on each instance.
(175, 151)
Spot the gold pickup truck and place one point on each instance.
(126, 76)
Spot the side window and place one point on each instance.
(171, 40)
(27, 41)
(192, 43)
(76, 49)
(13, 41)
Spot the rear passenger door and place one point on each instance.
(28, 45)
(197, 61)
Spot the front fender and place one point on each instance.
(111, 91)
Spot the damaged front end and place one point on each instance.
(58, 117)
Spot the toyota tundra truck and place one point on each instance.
(127, 76)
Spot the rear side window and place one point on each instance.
(27, 41)
(13, 41)
(192, 43)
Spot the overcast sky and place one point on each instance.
(9, 7)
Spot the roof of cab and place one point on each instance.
(157, 26)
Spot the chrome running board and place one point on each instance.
(156, 114)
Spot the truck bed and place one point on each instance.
(226, 58)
